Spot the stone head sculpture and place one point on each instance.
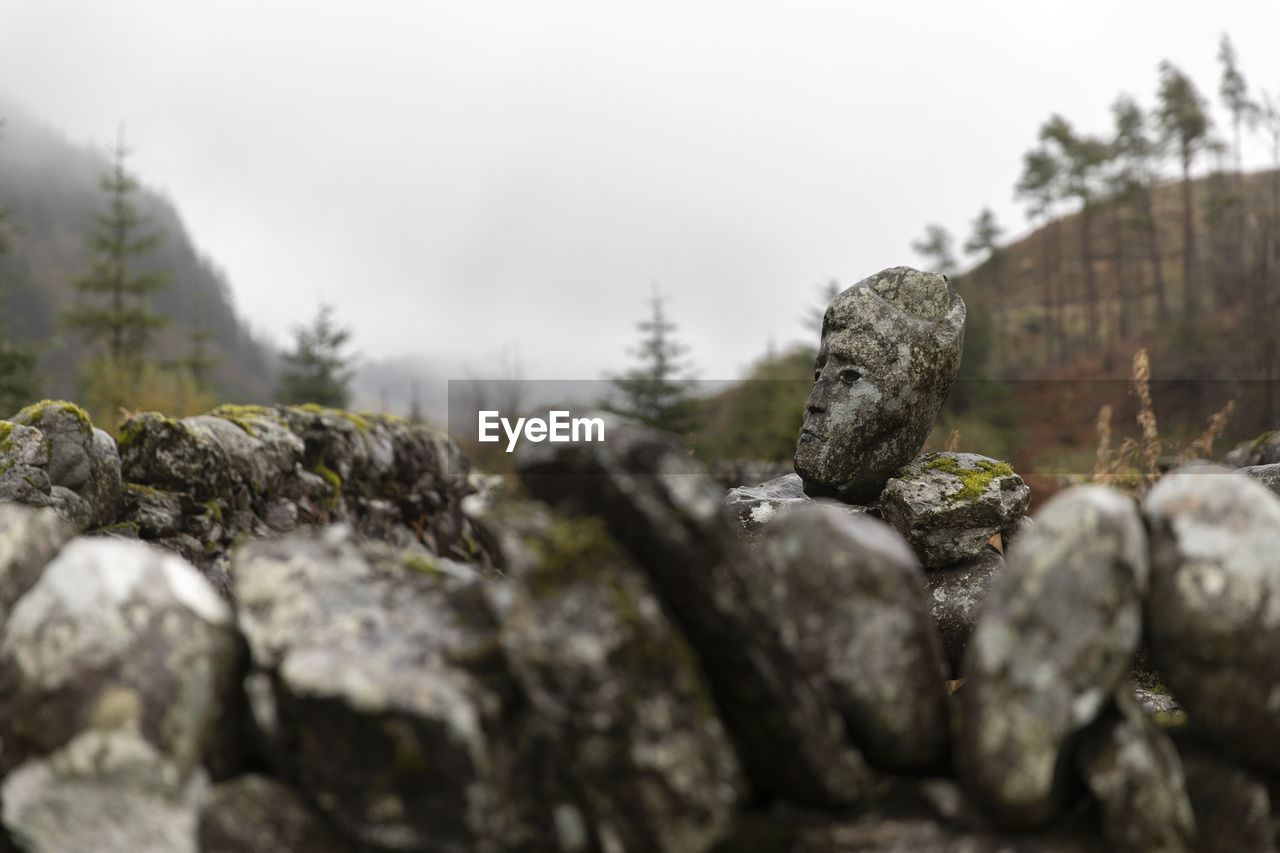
(890, 350)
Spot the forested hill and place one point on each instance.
(51, 191)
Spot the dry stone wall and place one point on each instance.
(299, 629)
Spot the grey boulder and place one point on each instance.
(376, 684)
(29, 539)
(1055, 641)
(949, 505)
(254, 813)
(107, 790)
(663, 507)
(1267, 475)
(1214, 623)
(758, 505)
(848, 598)
(82, 459)
(115, 634)
(955, 596)
(638, 754)
(1133, 771)
(1263, 450)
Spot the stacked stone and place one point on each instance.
(889, 352)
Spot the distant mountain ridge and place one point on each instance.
(50, 188)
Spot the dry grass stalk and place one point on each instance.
(1101, 467)
(1202, 447)
(1136, 464)
(953, 441)
(1146, 417)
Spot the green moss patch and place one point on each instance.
(357, 421)
(974, 481)
(240, 415)
(335, 482)
(421, 564)
(35, 412)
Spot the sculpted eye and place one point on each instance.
(817, 370)
(849, 376)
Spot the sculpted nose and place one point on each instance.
(817, 402)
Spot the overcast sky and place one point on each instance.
(466, 178)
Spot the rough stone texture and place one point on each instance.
(949, 505)
(955, 596)
(1012, 535)
(889, 352)
(242, 463)
(1133, 771)
(373, 684)
(24, 459)
(848, 598)
(255, 813)
(109, 791)
(637, 755)
(29, 539)
(1155, 701)
(1233, 807)
(1054, 642)
(259, 471)
(936, 817)
(662, 506)
(1214, 611)
(1263, 450)
(1267, 475)
(156, 514)
(756, 506)
(81, 459)
(115, 635)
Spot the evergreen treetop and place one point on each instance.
(657, 391)
(113, 308)
(317, 370)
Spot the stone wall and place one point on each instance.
(300, 629)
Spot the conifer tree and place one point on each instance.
(1185, 124)
(1136, 175)
(1081, 158)
(17, 363)
(1040, 186)
(936, 245)
(657, 391)
(318, 370)
(985, 240)
(113, 309)
(1235, 95)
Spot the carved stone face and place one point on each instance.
(889, 352)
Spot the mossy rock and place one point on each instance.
(949, 505)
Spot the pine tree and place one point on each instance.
(936, 246)
(1235, 95)
(1184, 123)
(1137, 173)
(657, 392)
(17, 363)
(1082, 157)
(1039, 184)
(198, 361)
(985, 240)
(318, 371)
(113, 307)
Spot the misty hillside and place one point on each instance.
(51, 189)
